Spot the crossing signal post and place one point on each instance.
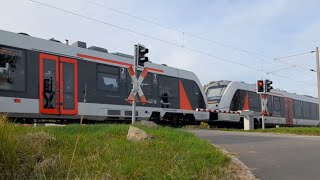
(263, 87)
(140, 58)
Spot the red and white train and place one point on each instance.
(47, 79)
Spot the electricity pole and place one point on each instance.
(318, 79)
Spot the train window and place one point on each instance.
(276, 105)
(270, 108)
(317, 112)
(297, 109)
(169, 92)
(306, 106)
(12, 69)
(238, 100)
(214, 93)
(282, 107)
(196, 97)
(254, 101)
(108, 78)
(314, 111)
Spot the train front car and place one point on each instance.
(48, 80)
(214, 92)
(284, 108)
(220, 96)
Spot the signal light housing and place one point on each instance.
(268, 84)
(260, 86)
(141, 51)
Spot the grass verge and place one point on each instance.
(311, 131)
(102, 152)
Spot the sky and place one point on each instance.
(268, 28)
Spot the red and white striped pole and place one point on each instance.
(264, 104)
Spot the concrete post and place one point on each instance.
(248, 123)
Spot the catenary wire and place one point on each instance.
(179, 31)
(254, 54)
(294, 55)
(161, 40)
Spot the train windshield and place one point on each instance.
(215, 93)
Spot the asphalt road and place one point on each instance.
(271, 156)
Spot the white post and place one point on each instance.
(318, 79)
(134, 85)
(134, 106)
(262, 117)
(247, 120)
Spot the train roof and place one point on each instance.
(275, 92)
(80, 51)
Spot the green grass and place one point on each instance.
(102, 152)
(313, 131)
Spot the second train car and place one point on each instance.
(284, 108)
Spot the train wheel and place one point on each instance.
(177, 121)
(256, 123)
(155, 117)
(240, 124)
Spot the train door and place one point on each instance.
(288, 111)
(58, 84)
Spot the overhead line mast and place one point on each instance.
(318, 79)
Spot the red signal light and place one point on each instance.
(260, 86)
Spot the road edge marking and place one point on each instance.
(237, 161)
